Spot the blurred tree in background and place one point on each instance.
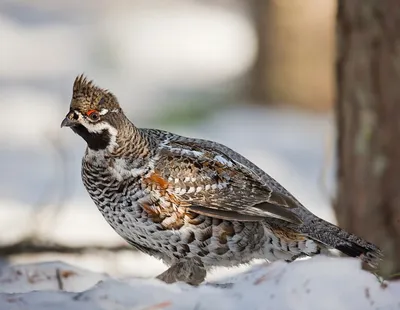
(368, 120)
(295, 63)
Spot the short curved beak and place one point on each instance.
(69, 120)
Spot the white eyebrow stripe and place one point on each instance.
(103, 111)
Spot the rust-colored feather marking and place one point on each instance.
(151, 210)
(157, 182)
(170, 217)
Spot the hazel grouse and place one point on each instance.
(192, 203)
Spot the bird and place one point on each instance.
(194, 204)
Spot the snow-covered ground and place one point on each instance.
(318, 283)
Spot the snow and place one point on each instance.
(317, 283)
(43, 277)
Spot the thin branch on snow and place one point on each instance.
(30, 246)
(59, 280)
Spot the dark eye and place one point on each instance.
(93, 115)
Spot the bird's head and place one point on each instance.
(94, 114)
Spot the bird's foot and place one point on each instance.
(190, 270)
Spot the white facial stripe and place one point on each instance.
(99, 127)
(103, 111)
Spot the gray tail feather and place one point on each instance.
(347, 243)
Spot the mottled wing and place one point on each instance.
(212, 184)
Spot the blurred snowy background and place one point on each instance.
(255, 77)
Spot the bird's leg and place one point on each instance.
(189, 270)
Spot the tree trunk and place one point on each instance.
(368, 122)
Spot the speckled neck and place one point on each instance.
(131, 141)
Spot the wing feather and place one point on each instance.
(209, 182)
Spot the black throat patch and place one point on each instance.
(95, 141)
